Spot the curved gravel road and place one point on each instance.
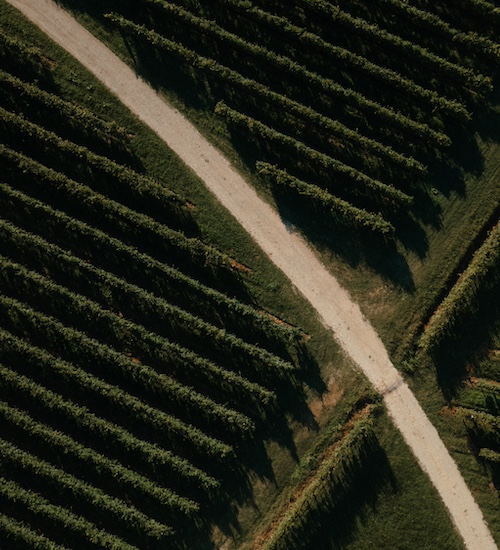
(286, 249)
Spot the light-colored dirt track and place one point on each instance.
(287, 250)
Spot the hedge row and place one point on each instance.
(330, 482)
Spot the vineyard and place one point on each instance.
(134, 370)
(337, 107)
(144, 386)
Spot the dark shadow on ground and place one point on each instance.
(336, 527)
(357, 247)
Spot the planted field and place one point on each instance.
(147, 398)
(326, 95)
(134, 370)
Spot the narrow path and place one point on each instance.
(286, 249)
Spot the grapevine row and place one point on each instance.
(290, 67)
(59, 481)
(110, 395)
(486, 422)
(125, 261)
(374, 34)
(169, 244)
(429, 21)
(483, 427)
(16, 531)
(74, 114)
(278, 101)
(37, 505)
(136, 190)
(300, 149)
(69, 448)
(134, 301)
(488, 386)
(123, 334)
(351, 60)
(16, 54)
(152, 457)
(485, 8)
(346, 211)
(490, 455)
(479, 17)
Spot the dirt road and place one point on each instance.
(287, 250)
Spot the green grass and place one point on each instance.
(392, 506)
(406, 497)
(395, 286)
